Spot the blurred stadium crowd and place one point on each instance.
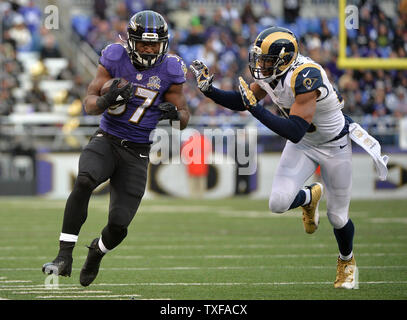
(23, 32)
(220, 38)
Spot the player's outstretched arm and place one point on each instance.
(175, 97)
(228, 99)
(292, 128)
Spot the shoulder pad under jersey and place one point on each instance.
(113, 52)
(306, 78)
(176, 67)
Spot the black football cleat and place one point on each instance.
(90, 268)
(61, 266)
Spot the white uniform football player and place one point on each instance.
(316, 129)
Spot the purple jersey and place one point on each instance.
(135, 120)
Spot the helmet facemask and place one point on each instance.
(146, 60)
(147, 26)
(274, 51)
(268, 67)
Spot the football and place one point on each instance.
(108, 83)
(106, 87)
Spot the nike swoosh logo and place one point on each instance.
(341, 147)
(305, 74)
(143, 156)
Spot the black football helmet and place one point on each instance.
(273, 52)
(147, 26)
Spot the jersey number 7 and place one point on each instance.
(146, 94)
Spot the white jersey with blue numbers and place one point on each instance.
(306, 75)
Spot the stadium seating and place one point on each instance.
(304, 27)
(318, 33)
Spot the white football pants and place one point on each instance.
(298, 162)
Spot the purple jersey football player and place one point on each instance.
(119, 149)
(135, 120)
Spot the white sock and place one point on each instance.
(346, 258)
(307, 196)
(68, 237)
(102, 246)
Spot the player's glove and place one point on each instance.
(201, 73)
(115, 95)
(168, 111)
(249, 100)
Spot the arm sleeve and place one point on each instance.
(294, 128)
(228, 99)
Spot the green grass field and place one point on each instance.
(231, 249)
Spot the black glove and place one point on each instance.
(168, 111)
(115, 95)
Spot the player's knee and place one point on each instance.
(278, 203)
(337, 220)
(85, 183)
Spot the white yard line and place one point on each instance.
(388, 220)
(54, 294)
(181, 209)
(296, 214)
(226, 246)
(40, 287)
(17, 248)
(235, 283)
(155, 299)
(149, 238)
(22, 258)
(243, 268)
(212, 268)
(35, 286)
(59, 292)
(254, 246)
(87, 297)
(252, 256)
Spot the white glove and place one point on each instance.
(201, 73)
(249, 100)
